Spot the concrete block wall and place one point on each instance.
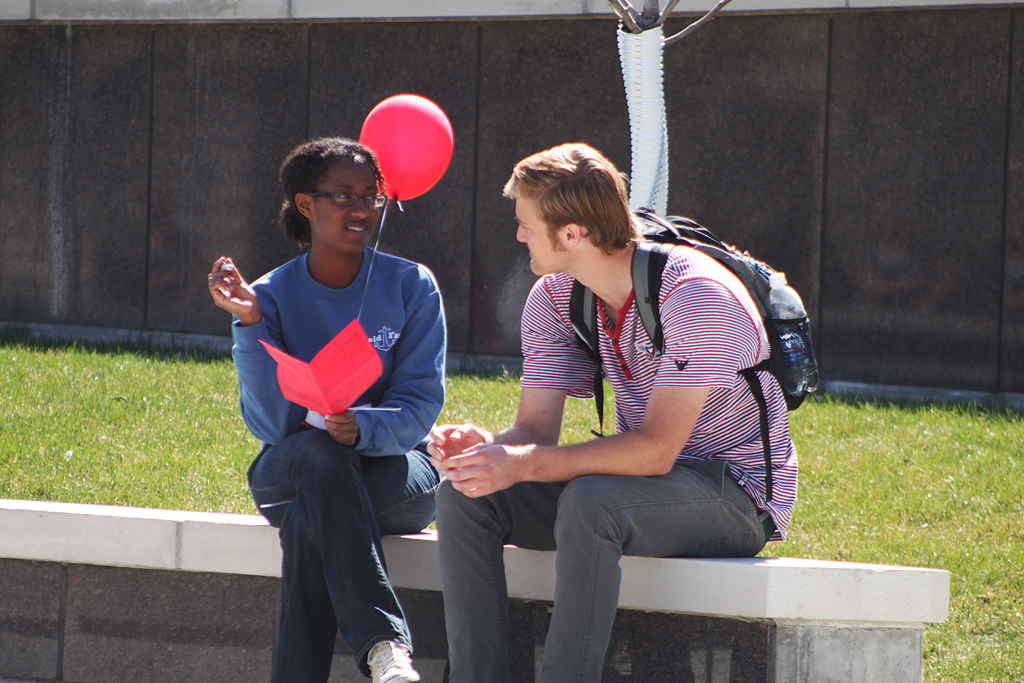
(872, 150)
(101, 594)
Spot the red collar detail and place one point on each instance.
(620, 316)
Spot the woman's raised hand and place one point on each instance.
(231, 292)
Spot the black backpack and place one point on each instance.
(660, 235)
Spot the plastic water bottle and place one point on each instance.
(800, 374)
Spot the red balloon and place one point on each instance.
(413, 140)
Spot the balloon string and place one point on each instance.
(373, 257)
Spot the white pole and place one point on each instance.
(642, 73)
(641, 51)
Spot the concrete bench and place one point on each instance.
(100, 593)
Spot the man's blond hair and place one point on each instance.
(575, 183)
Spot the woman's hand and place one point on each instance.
(343, 427)
(231, 292)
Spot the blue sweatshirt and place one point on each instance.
(404, 319)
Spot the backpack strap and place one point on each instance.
(583, 318)
(649, 259)
(750, 374)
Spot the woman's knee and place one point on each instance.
(315, 454)
(408, 517)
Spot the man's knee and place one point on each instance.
(458, 514)
(444, 493)
(450, 505)
(585, 502)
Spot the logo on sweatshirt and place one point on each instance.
(385, 338)
(680, 364)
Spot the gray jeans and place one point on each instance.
(696, 510)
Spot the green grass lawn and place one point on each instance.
(923, 485)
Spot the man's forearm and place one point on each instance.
(523, 435)
(634, 453)
(649, 450)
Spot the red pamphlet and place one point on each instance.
(338, 374)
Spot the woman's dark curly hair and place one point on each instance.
(305, 166)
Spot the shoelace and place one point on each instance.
(388, 655)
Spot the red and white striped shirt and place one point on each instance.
(712, 330)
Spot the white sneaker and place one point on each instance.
(390, 662)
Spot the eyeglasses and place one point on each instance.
(372, 201)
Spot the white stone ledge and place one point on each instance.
(15, 9)
(150, 10)
(241, 10)
(780, 589)
(138, 537)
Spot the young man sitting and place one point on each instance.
(683, 476)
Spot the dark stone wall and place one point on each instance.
(652, 646)
(874, 156)
(229, 101)
(915, 199)
(541, 84)
(355, 66)
(1011, 365)
(91, 624)
(75, 112)
(747, 109)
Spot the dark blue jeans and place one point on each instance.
(332, 505)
